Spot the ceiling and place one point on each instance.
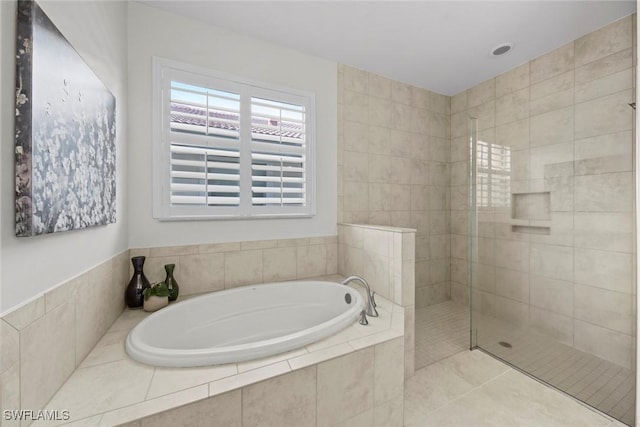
(439, 45)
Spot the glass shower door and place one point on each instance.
(551, 244)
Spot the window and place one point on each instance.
(225, 147)
(494, 175)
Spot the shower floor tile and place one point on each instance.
(442, 330)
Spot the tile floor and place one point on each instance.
(472, 388)
(442, 331)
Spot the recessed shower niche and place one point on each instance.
(531, 212)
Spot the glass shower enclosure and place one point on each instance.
(551, 248)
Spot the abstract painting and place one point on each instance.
(65, 133)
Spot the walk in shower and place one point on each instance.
(550, 238)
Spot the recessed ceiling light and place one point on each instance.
(501, 49)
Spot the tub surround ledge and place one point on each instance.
(109, 388)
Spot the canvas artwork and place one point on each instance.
(65, 133)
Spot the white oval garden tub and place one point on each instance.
(243, 323)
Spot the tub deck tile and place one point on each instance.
(109, 388)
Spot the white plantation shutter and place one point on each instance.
(230, 148)
(278, 153)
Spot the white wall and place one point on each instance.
(32, 265)
(153, 32)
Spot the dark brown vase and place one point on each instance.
(133, 295)
(171, 283)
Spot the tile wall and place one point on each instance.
(562, 265)
(393, 154)
(362, 388)
(213, 267)
(45, 340)
(385, 257)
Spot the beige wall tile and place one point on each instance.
(459, 123)
(610, 192)
(419, 98)
(551, 160)
(553, 325)
(279, 264)
(332, 258)
(514, 312)
(97, 306)
(459, 102)
(512, 107)
(485, 113)
(379, 87)
(481, 93)
(379, 200)
(611, 310)
(379, 112)
(510, 284)
(355, 108)
(356, 136)
(551, 294)
(219, 411)
(401, 93)
(356, 80)
(552, 127)
(605, 343)
(287, 400)
(311, 261)
(401, 143)
(400, 196)
(242, 268)
(200, 273)
(351, 235)
(551, 261)
(512, 255)
(9, 346)
(514, 135)
(356, 166)
(379, 140)
(23, 316)
(553, 63)
(607, 114)
(439, 103)
(388, 370)
(63, 293)
(172, 251)
(607, 85)
(10, 393)
(604, 154)
(604, 269)
(604, 231)
(379, 168)
(345, 387)
(401, 117)
(409, 340)
(610, 39)
(513, 80)
(50, 338)
(400, 170)
(377, 271)
(356, 196)
(603, 67)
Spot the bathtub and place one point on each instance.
(243, 323)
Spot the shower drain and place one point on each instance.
(504, 344)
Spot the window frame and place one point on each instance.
(164, 71)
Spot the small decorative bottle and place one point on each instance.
(171, 283)
(133, 295)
